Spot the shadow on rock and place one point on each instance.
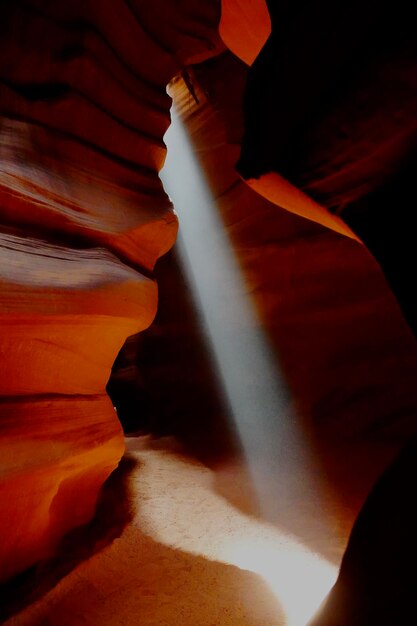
(378, 576)
(113, 512)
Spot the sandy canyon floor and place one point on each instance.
(195, 552)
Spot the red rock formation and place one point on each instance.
(83, 218)
(245, 27)
(331, 100)
(344, 347)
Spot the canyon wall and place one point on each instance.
(83, 219)
(342, 343)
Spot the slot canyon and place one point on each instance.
(208, 347)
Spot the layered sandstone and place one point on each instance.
(345, 350)
(84, 218)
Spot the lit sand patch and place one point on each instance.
(190, 516)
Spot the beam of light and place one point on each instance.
(254, 389)
(300, 579)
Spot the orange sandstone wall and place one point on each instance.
(83, 219)
(348, 356)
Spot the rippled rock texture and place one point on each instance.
(343, 344)
(83, 219)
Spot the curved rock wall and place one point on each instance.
(345, 349)
(331, 99)
(83, 219)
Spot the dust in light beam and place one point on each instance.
(252, 385)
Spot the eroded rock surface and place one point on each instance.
(344, 348)
(84, 218)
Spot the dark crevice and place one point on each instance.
(385, 221)
(33, 92)
(163, 382)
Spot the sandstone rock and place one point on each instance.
(341, 341)
(83, 219)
